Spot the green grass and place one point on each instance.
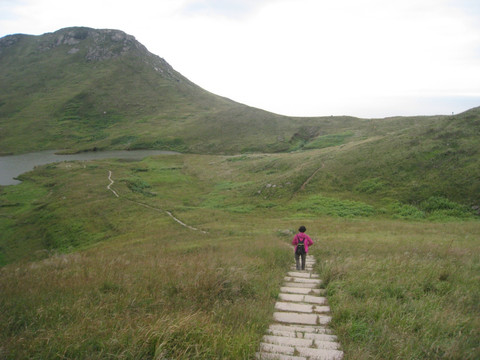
(392, 205)
(319, 205)
(140, 300)
(399, 290)
(90, 275)
(328, 140)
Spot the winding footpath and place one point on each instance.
(311, 177)
(299, 330)
(109, 187)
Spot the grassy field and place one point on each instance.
(402, 290)
(90, 275)
(392, 204)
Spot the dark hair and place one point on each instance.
(302, 229)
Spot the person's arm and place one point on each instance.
(295, 240)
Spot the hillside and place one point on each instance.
(182, 256)
(86, 273)
(81, 88)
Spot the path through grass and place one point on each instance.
(90, 275)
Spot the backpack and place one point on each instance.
(300, 247)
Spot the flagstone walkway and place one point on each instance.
(299, 330)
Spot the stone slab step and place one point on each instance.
(320, 337)
(302, 274)
(303, 342)
(303, 308)
(296, 284)
(310, 353)
(306, 291)
(274, 356)
(278, 349)
(291, 297)
(302, 335)
(299, 318)
(319, 354)
(292, 334)
(302, 280)
(285, 306)
(296, 318)
(329, 345)
(305, 329)
(287, 341)
(319, 300)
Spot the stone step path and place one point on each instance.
(300, 331)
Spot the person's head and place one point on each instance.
(302, 229)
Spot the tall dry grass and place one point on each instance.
(153, 299)
(404, 291)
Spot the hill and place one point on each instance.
(82, 88)
(392, 205)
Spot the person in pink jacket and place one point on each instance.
(301, 241)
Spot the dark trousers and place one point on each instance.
(297, 258)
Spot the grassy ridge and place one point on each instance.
(142, 286)
(81, 88)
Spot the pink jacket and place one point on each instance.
(307, 241)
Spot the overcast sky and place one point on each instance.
(365, 58)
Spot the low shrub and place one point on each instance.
(335, 207)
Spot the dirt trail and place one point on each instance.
(311, 177)
(308, 180)
(111, 183)
(109, 187)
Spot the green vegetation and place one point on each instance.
(328, 140)
(102, 89)
(90, 275)
(319, 205)
(392, 204)
(399, 290)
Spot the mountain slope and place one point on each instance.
(82, 88)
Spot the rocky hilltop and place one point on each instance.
(92, 44)
(81, 88)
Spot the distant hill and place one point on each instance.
(81, 88)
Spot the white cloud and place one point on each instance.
(298, 57)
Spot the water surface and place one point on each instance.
(12, 166)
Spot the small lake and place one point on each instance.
(13, 165)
